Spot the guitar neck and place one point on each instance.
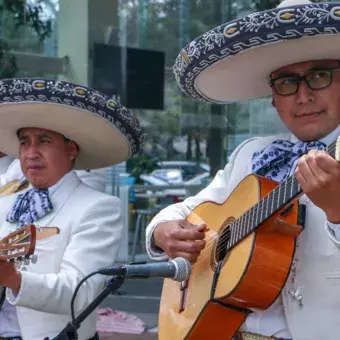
(286, 192)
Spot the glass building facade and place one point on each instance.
(126, 48)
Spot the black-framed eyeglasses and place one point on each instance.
(315, 80)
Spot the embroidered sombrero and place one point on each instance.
(233, 61)
(106, 132)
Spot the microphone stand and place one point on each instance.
(70, 331)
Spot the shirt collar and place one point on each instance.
(326, 140)
(54, 187)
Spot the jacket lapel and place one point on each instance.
(59, 197)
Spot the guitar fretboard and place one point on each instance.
(282, 195)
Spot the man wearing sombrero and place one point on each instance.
(54, 127)
(292, 53)
(13, 180)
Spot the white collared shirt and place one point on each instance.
(272, 322)
(9, 326)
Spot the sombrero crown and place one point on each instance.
(233, 61)
(105, 131)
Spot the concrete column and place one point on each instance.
(81, 24)
(73, 39)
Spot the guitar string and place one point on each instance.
(225, 238)
(289, 181)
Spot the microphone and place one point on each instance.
(178, 269)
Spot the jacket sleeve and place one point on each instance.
(333, 232)
(93, 243)
(95, 179)
(13, 172)
(218, 189)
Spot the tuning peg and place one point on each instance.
(34, 258)
(27, 261)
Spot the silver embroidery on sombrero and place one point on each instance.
(23, 90)
(255, 29)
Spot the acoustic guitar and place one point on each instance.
(20, 245)
(245, 263)
(13, 187)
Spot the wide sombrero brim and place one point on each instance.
(233, 62)
(105, 131)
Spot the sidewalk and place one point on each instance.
(119, 336)
(141, 298)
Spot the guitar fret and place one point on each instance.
(232, 236)
(233, 231)
(245, 215)
(257, 214)
(267, 199)
(238, 225)
(281, 199)
(240, 229)
(229, 238)
(237, 234)
(292, 187)
(261, 202)
(278, 197)
(272, 200)
(295, 187)
(244, 230)
(285, 188)
(242, 225)
(246, 223)
(251, 218)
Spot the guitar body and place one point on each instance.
(252, 274)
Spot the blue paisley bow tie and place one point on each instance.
(277, 159)
(30, 207)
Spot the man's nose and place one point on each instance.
(32, 151)
(304, 94)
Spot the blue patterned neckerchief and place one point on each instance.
(30, 207)
(277, 159)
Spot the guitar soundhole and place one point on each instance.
(222, 243)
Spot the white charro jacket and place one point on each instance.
(90, 226)
(311, 299)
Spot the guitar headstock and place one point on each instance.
(20, 244)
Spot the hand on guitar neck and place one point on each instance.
(319, 176)
(19, 246)
(10, 277)
(179, 238)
